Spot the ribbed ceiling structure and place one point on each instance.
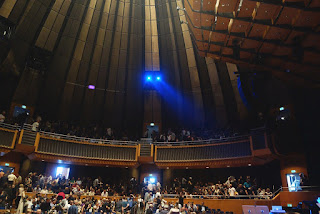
(57, 48)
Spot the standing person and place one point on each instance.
(20, 198)
(140, 205)
(181, 198)
(11, 178)
(36, 124)
(73, 209)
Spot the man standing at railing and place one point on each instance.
(2, 116)
(35, 125)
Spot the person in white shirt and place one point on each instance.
(231, 191)
(11, 178)
(2, 116)
(44, 190)
(35, 125)
(104, 193)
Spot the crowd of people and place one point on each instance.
(176, 135)
(99, 131)
(232, 187)
(59, 194)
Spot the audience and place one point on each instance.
(54, 195)
(98, 131)
(229, 189)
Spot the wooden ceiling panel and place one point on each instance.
(196, 4)
(214, 56)
(214, 48)
(227, 51)
(240, 26)
(282, 51)
(275, 62)
(292, 37)
(218, 37)
(206, 35)
(312, 41)
(267, 12)
(308, 19)
(250, 44)
(208, 5)
(311, 57)
(202, 46)
(267, 48)
(231, 39)
(288, 16)
(279, 31)
(206, 20)
(197, 33)
(227, 6)
(222, 24)
(196, 19)
(245, 55)
(314, 3)
(275, 33)
(257, 31)
(247, 8)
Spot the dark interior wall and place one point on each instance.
(306, 110)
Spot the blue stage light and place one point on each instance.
(158, 78)
(149, 78)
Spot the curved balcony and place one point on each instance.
(84, 148)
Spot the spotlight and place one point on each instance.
(149, 78)
(281, 108)
(283, 118)
(158, 78)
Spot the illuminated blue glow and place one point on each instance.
(281, 108)
(59, 161)
(152, 180)
(318, 200)
(158, 78)
(149, 78)
(24, 106)
(293, 171)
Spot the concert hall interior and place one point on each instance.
(159, 106)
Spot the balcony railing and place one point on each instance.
(8, 135)
(203, 152)
(85, 139)
(48, 144)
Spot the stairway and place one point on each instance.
(29, 136)
(145, 150)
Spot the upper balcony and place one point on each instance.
(255, 149)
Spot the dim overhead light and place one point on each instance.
(92, 87)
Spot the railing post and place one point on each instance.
(14, 139)
(20, 137)
(36, 143)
